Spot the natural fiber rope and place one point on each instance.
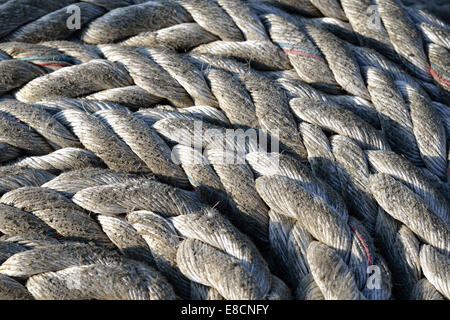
(362, 173)
(334, 231)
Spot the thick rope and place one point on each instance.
(102, 178)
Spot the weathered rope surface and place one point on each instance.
(334, 183)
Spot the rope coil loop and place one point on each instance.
(224, 149)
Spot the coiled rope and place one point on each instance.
(106, 195)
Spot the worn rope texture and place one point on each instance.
(92, 121)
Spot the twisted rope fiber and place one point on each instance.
(106, 195)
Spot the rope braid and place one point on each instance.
(334, 230)
(195, 254)
(78, 271)
(107, 194)
(147, 233)
(358, 181)
(407, 238)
